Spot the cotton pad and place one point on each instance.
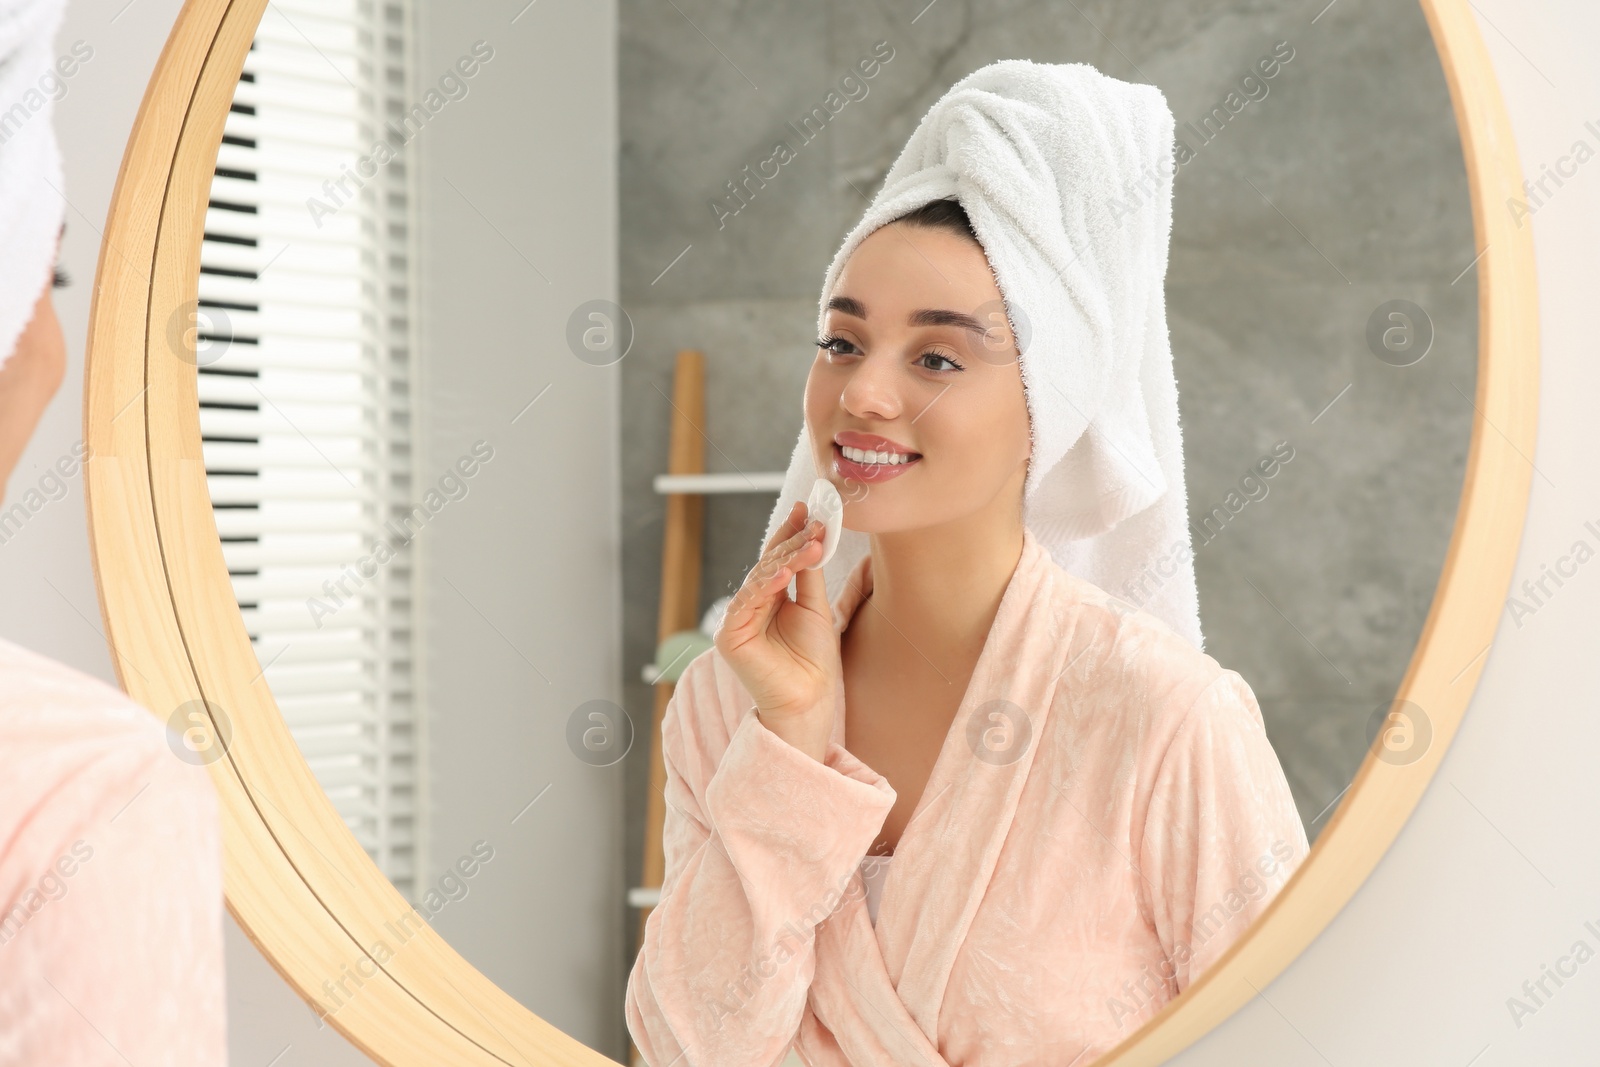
(826, 504)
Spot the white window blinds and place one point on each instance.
(304, 346)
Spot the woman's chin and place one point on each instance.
(864, 518)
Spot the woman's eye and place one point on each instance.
(828, 344)
(838, 346)
(953, 365)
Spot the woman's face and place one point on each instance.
(922, 361)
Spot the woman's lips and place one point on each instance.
(871, 442)
(869, 472)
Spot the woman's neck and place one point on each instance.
(940, 587)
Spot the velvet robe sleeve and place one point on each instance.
(1222, 833)
(760, 843)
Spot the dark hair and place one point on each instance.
(946, 215)
(59, 278)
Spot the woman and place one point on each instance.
(111, 903)
(1081, 808)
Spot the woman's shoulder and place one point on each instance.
(1137, 695)
(1131, 659)
(74, 750)
(47, 704)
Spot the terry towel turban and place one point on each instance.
(31, 209)
(1066, 175)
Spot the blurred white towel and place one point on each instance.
(30, 162)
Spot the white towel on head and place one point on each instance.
(30, 162)
(1066, 175)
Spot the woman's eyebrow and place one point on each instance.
(942, 317)
(922, 317)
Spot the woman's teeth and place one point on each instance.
(861, 455)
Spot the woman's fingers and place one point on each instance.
(779, 554)
(811, 587)
(786, 528)
(763, 587)
(787, 534)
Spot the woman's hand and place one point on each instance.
(786, 652)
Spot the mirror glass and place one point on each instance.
(452, 257)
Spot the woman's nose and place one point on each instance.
(873, 389)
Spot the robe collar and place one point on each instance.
(879, 989)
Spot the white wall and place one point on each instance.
(1497, 871)
(520, 581)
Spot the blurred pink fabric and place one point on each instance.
(110, 880)
(1055, 886)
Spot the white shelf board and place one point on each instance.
(735, 482)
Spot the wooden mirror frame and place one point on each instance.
(298, 882)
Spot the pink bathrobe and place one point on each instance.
(1105, 817)
(110, 880)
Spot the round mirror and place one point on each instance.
(452, 397)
